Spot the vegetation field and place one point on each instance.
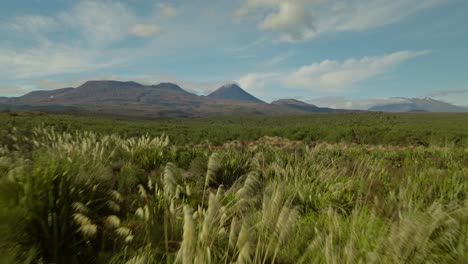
(325, 188)
(364, 128)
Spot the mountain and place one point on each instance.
(135, 100)
(131, 99)
(425, 104)
(303, 106)
(233, 92)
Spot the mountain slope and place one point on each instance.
(418, 104)
(132, 99)
(303, 106)
(233, 92)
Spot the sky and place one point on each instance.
(329, 52)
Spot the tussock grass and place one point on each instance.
(80, 197)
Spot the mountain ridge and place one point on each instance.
(136, 100)
(170, 100)
(423, 104)
(301, 105)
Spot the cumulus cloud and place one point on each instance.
(291, 18)
(258, 81)
(33, 24)
(341, 102)
(50, 59)
(10, 90)
(151, 28)
(166, 10)
(305, 19)
(359, 15)
(142, 30)
(98, 22)
(331, 75)
(90, 28)
(443, 93)
(248, 46)
(50, 84)
(104, 22)
(278, 59)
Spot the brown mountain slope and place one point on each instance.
(134, 99)
(303, 106)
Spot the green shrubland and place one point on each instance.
(73, 191)
(416, 129)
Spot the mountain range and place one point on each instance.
(131, 99)
(425, 104)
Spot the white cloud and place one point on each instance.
(275, 60)
(166, 10)
(33, 24)
(248, 46)
(444, 93)
(359, 15)
(10, 90)
(142, 30)
(291, 18)
(305, 19)
(100, 22)
(89, 27)
(258, 81)
(453, 96)
(50, 59)
(331, 75)
(50, 84)
(341, 102)
(151, 28)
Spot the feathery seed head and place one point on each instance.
(142, 191)
(123, 231)
(243, 238)
(80, 208)
(81, 219)
(170, 181)
(245, 254)
(113, 221)
(213, 166)
(143, 213)
(88, 230)
(187, 249)
(129, 239)
(233, 233)
(116, 196)
(115, 207)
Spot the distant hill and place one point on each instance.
(233, 92)
(132, 99)
(425, 104)
(303, 106)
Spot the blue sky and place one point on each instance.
(335, 51)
